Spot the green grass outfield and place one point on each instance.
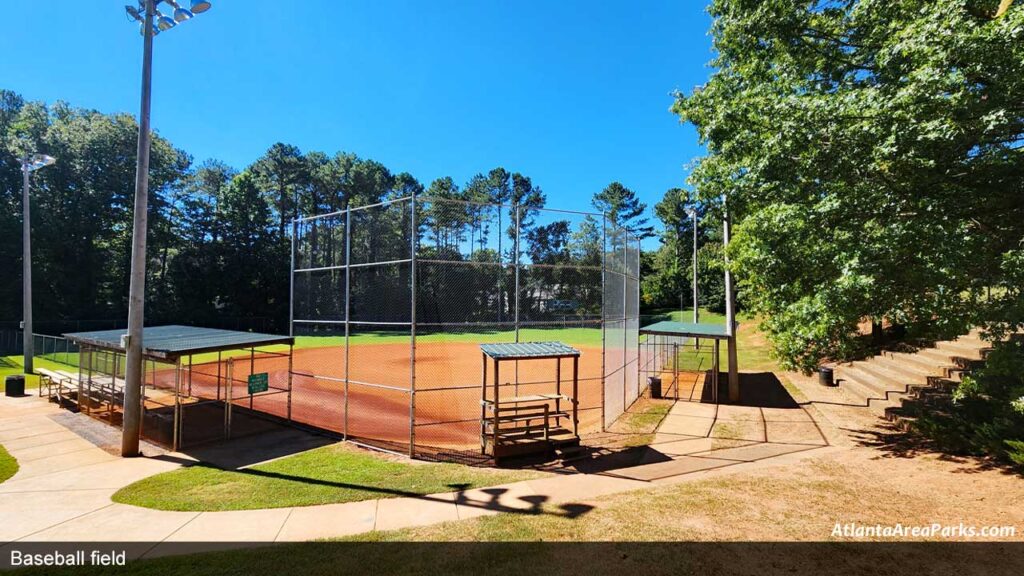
(8, 465)
(327, 475)
(753, 353)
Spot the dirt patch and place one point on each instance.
(447, 383)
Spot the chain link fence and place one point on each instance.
(391, 301)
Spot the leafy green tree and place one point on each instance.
(624, 209)
(81, 221)
(255, 260)
(872, 157)
(283, 173)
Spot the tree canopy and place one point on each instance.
(219, 238)
(871, 152)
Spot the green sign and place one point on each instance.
(258, 383)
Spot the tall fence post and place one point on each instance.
(348, 292)
(515, 298)
(501, 269)
(625, 313)
(412, 329)
(291, 282)
(636, 316)
(515, 261)
(604, 320)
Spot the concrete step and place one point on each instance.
(876, 385)
(856, 390)
(938, 355)
(896, 373)
(930, 365)
(965, 350)
(901, 365)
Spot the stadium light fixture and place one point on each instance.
(180, 14)
(164, 22)
(153, 21)
(38, 161)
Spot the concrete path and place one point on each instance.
(63, 487)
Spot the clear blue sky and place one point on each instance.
(573, 94)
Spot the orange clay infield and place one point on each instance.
(447, 399)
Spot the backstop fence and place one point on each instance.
(390, 302)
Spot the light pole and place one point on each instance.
(696, 313)
(29, 164)
(153, 22)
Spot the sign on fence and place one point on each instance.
(259, 383)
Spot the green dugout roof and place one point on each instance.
(687, 329)
(527, 350)
(172, 342)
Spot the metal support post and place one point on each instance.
(176, 442)
(730, 314)
(348, 303)
(604, 320)
(412, 325)
(291, 355)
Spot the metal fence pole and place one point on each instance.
(348, 310)
(291, 355)
(291, 282)
(626, 313)
(515, 298)
(515, 261)
(412, 336)
(229, 396)
(636, 317)
(176, 436)
(604, 319)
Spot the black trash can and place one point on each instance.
(14, 385)
(654, 383)
(826, 376)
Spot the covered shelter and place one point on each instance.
(523, 423)
(665, 339)
(199, 375)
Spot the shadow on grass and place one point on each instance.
(491, 502)
(893, 442)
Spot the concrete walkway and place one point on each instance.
(63, 487)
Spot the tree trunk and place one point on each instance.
(877, 334)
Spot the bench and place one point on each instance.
(520, 419)
(62, 383)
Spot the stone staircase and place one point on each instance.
(898, 385)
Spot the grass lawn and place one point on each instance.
(770, 505)
(574, 336)
(327, 475)
(9, 366)
(641, 421)
(577, 336)
(8, 465)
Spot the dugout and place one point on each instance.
(199, 384)
(662, 343)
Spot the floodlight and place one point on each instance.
(134, 13)
(164, 22)
(40, 160)
(199, 6)
(180, 14)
